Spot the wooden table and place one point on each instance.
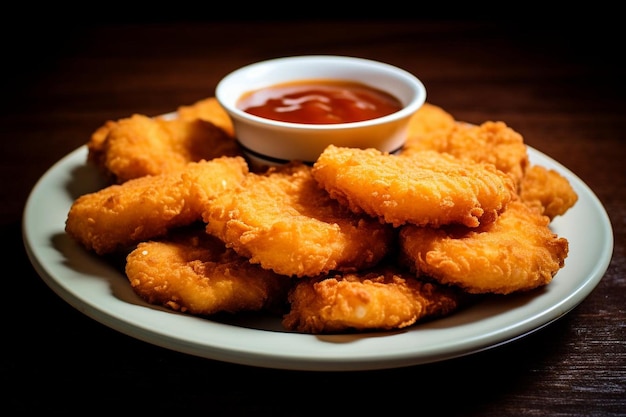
(561, 88)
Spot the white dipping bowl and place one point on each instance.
(269, 142)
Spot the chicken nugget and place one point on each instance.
(547, 190)
(139, 145)
(208, 109)
(428, 188)
(490, 142)
(426, 120)
(195, 273)
(376, 300)
(518, 252)
(122, 215)
(284, 221)
(96, 154)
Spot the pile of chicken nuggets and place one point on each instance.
(360, 240)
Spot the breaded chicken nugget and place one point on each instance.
(95, 148)
(428, 188)
(140, 145)
(547, 190)
(377, 300)
(122, 215)
(426, 120)
(517, 252)
(195, 273)
(491, 142)
(208, 109)
(284, 221)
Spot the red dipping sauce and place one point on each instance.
(319, 102)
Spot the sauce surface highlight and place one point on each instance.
(319, 102)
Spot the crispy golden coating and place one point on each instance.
(283, 221)
(426, 120)
(195, 273)
(491, 142)
(517, 252)
(95, 148)
(379, 300)
(319, 245)
(208, 109)
(122, 215)
(547, 190)
(427, 188)
(140, 145)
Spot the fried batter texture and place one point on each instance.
(427, 188)
(195, 273)
(491, 142)
(547, 190)
(139, 145)
(360, 241)
(518, 252)
(210, 110)
(426, 120)
(377, 300)
(122, 215)
(284, 221)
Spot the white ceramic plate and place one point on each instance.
(101, 291)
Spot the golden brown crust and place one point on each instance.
(427, 188)
(491, 142)
(379, 300)
(517, 252)
(283, 221)
(547, 190)
(122, 215)
(426, 120)
(195, 273)
(210, 110)
(139, 145)
(460, 200)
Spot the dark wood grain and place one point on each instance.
(560, 87)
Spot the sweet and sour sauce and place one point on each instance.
(319, 102)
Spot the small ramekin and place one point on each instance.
(269, 142)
